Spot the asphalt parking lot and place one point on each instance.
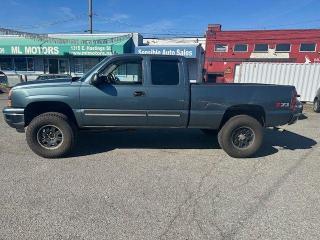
(162, 184)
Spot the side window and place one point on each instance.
(164, 72)
(123, 73)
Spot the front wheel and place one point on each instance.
(241, 136)
(51, 135)
(316, 105)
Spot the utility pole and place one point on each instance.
(90, 16)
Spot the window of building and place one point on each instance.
(6, 64)
(30, 64)
(63, 66)
(240, 48)
(164, 72)
(307, 47)
(83, 65)
(215, 78)
(20, 64)
(221, 48)
(283, 47)
(23, 64)
(261, 47)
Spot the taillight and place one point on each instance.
(293, 103)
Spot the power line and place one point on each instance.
(47, 24)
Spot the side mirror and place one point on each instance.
(95, 79)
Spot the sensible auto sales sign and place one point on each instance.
(185, 51)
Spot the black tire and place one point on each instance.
(210, 132)
(246, 127)
(63, 129)
(316, 105)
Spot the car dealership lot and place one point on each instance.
(162, 184)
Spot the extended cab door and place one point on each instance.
(119, 98)
(167, 92)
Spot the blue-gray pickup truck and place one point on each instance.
(143, 91)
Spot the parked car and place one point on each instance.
(53, 76)
(316, 102)
(142, 91)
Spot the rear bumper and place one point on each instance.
(296, 114)
(14, 117)
(295, 117)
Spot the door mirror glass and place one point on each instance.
(95, 79)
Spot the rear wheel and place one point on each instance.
(241, 136)
(51, 135)
(316, 105)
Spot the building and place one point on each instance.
(32, 54)
(191, 48)
(225, 50)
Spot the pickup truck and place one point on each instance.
(142, 91)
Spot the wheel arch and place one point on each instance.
(34, 109)
(255, 111)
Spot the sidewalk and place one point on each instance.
(3, 96)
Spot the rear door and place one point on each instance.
(168, 92)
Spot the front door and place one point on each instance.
(53, 66)
(118, 99)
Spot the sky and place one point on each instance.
(157, 17)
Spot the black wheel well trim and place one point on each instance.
(255, 111)
(34, 109)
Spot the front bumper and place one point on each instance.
(14, 117)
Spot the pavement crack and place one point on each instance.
(190, 202)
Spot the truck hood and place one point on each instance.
(39, 83)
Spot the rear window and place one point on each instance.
(164, 72)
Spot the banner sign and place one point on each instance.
(22, 46)
(185, 51)
(52, 50)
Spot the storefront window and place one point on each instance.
(20, 64)
(30, 64)
(24, 64)
(83, 65)
(63, 66)
(6, 64)
(55, 66)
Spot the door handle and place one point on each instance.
(138, 93)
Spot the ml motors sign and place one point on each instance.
(185, 51)
(23, 46)
(77, 50)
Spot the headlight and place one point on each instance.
(9, 102)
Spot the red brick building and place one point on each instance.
(227, 49)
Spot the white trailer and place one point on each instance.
(305, 77)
